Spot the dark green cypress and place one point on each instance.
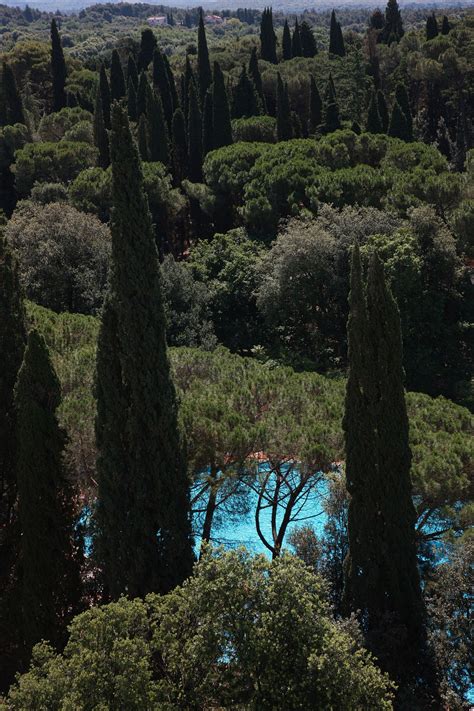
(187, 79)
(101, 139)
(207, 124)
(254, 74)
(392, 30)
(50, 583)
(245, 101)
(142, 138)
(374, 122)
(286, 43)
(132, 71)
(445, 26)
(398, 127)
(105, 95)
(203, 63)
(194, 136)
(308, 43)
(296, 48)
(180, 148)
(330, 92)
(171, 82)
(332, 121)
(144, 539)
(142, 93)
(147, 47)
(58, 69)
(460, 150)
(131, 101)
(315, 107)
(157, 131)
(336, 40)
(283, 111)
(383, 111)
(401, 96)
(13, 112)
(117, 78)
(162, 85)
(268, 40)
(432, 30)
(222, 128)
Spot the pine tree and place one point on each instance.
(392, 30)
(144, 538)
(131, 101)
(222, 128)
(268, 40)
(286, 42)
(101, 139)
(105, 96)
(296, 48)
(398, 127)
(203, 63)
(142, 138)
(383, 111)
(374, 122)
(336, 41)
(432, 30)
(254, 74)
(180, 148)
(445, 26)
(315, 107)
(132, 72)
(50, 580)
(13, 111)
(401, 96)
(162, 85)
(332, 121)
(207, 124)
(283, 111)
(245, 101)
(58, 69)
(142, 93)
(194, 136)
(157, 132)
(147, 47)
(117, 79)
(308, 43)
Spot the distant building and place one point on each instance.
(213, 20)
(158, 21)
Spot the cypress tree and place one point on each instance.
(445, 26)
(432, 30)
(186, 80)
(180, 148)
(460, 150)
(246, 101)
(315, 107)
(105, 95)
(142, 93)
(340, 41)
(131, 101)
(157, 133)
(117, 78)
(58, 69)
(308, 43)
(142, 138)
(330, 92)
(286, 42)
(147, 47)
(203, 63)
(374, 123)
(144, 538)
(254, 74)
(398, 127)
(283, 112)
(392, 30)
(296, 48)
(222, 128)
(50, 581)
(162, 85)
(336, 40)
(194, 136)
(101, 139)
(13, 111)
(171, 82)
(268, 40)
(207, 124)
(401, 96)
(332, 121)
(383, 111)
(296, 127)
(132, 72)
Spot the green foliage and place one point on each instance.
(203, 63)
(222, 128)
(194, 136)
(268, 39)
(11, 103)
(101, 138)
(283, 112)
(260, 129)
(245, 100)
(58, 69)
(54, 127)
(157, 133)
(117, 78)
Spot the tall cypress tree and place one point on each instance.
(432, 30)
(186, 80)
(180, 148)
(222, 128)
(58, 69)
(157, 132)
(142, 138)
(332, 120)
(245, 101)
(445, 26)
(13, 111)
(142, 93)
(308, 43)
(330, 92)
(254, 74)
(401, 96)
(383, 110)
(207, 124)
(147, 47)
(144, 537)
(101, 139)
(131, 101)
(286, 42)
(398, 127)
(283, 111)
(162, 85)
(203, 63)
(50, 580)
(336, 40)
(132, 71)
(105, 95)
(117, 78)
(268, 40)
(296, 48)
(171, 82)
(315, 107)
(194, 136)
(374, 122)
(392, 30)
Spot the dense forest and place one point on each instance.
(236, 284)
